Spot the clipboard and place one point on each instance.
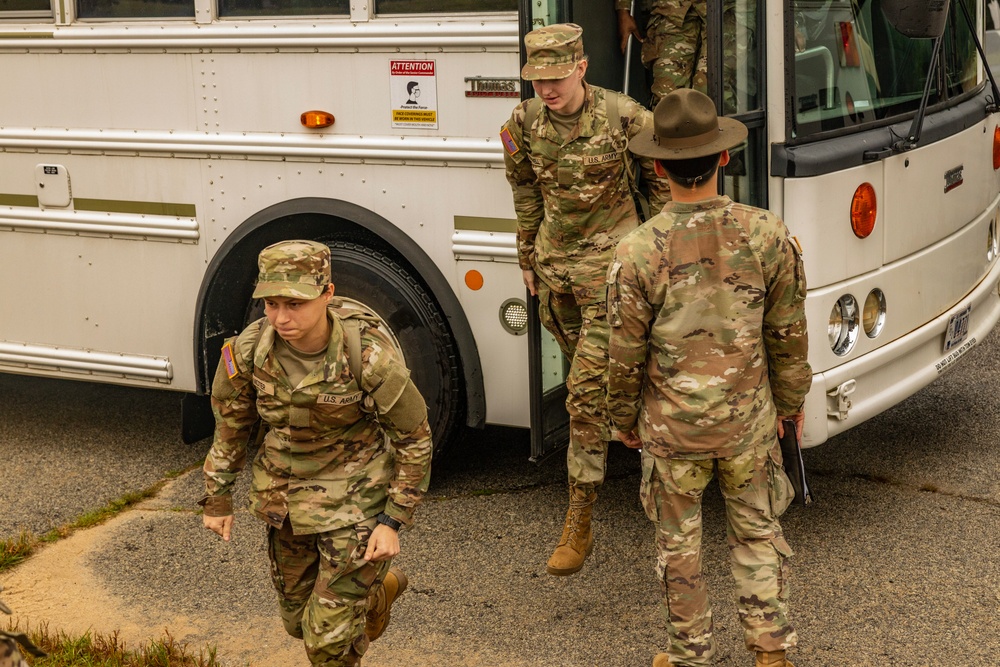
(791, 458)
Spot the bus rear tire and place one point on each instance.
(379, 282)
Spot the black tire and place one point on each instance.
(382, 285)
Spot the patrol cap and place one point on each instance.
(297, 269)
(686, 125)
(553, 51)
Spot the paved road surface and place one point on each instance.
(897, 564)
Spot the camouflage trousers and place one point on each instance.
(10, 656)
(676, 49)
(756, 492)
(582, 332)
(323, 586)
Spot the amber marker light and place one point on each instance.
(996, 148)
(863, 210)
(314, 119)
(474, 280)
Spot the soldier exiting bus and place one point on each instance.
(568, 163)
(708, 351)
(333, 489)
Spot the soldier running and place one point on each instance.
(333, 489)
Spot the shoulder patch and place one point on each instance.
(509, 143)
(229, 361)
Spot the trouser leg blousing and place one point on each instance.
(577, 538)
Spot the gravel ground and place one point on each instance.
(896, 564)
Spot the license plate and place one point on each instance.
(958, 328)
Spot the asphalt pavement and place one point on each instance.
(896, 563)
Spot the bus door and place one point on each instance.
(736, 82)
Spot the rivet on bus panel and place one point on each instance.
(864, 210)
(316, 119)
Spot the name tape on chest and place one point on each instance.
(263, 387)
(590, 160)
(339, 399)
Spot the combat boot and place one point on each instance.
(661, 660)
(577, 539)
(380, 601)
(772, 659)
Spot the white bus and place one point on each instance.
(150, 148)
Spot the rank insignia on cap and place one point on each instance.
(508, 142)
(227, 359)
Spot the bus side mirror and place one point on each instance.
(919, 19)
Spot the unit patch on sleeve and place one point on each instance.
(508, 142)
(227, 359)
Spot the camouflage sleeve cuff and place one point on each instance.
(217, 505)
(402, 514)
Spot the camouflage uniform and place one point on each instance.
(573, 203)
(12, 642)
(325, 469)
(675, 46)
(708, 345)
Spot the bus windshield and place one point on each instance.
(853, 69)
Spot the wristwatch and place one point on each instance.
(387, 520)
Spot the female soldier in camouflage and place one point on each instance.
(333, 489)
(570, 170)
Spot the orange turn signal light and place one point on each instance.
(316, 119)
(474, 280)
(996, 148)
(863, 210)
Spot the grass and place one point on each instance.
(96, 650)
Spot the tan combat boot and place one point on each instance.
(661, 660)
(772, 659)
(381, 600)
(577, 539)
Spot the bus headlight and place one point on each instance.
(514, 316)
(873, 315)
(843, 327)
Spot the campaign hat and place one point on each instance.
(296, 269)
(686, 125)
(553, 51)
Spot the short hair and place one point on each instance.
(691, 171)
(410, 86)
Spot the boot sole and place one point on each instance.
(563, 572)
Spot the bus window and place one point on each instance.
(851, 67)
(16, 9)
(443, 6)
(135, 9)
(230, 8)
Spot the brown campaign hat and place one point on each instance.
(686, 125)
(553, 51)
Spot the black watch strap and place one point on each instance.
(387, 520)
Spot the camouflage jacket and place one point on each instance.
(706, 303)
(573, 199)
(324, 463)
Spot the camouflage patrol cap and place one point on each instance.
(553, 51)
(297, 269)
(686, 125)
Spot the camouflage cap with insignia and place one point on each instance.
(296, 269)
(553, 51)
